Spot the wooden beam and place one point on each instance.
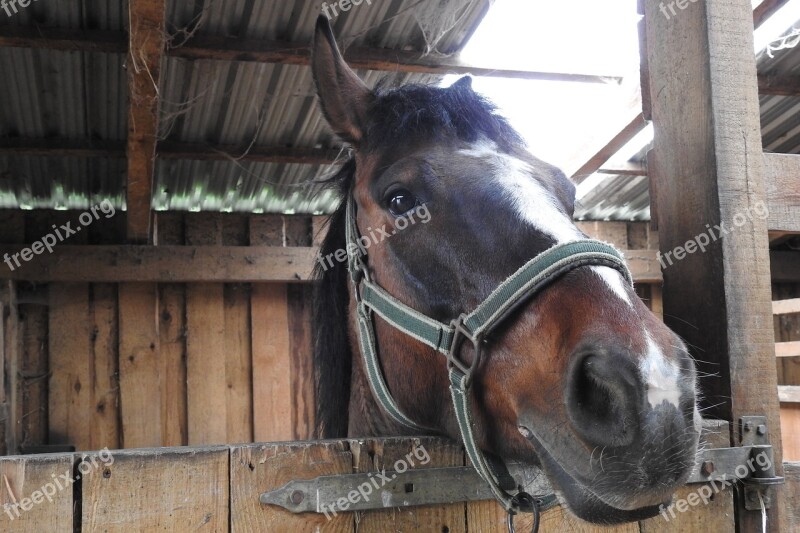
(280, 52)
(147, 38)
(129, 263)
(67, 40)
(61, 148)
(783, 192)
(765, 10)
(260, 154)
(786, 307)
(185, 264)
(170, 150)
(708, 168)
(778, 85)
(787, 349)
(624, 169)
(789, 393)
(382, 59)
(590, 157)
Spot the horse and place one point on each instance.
(579, 377)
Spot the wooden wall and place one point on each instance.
(128, 365)
(787, 329)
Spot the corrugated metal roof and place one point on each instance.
(83, 96)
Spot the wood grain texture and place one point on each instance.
(113, 264)
(71, 381)
(146, 41)
(104, 430)
(259, 468)
(790, 427)
(272, 365)
(139, 365)
(782, 178)
(158, 490)
(21, 478)
(34, 377)
(299, 302)
(238, 364)
(377, 456)
(206, 364)
(792, 488)
(709, 170)
(172, 354)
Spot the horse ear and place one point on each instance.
(464, 83)
(345, 98)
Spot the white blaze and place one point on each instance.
(660, 375)
(537, 206)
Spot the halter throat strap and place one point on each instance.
(473, 327)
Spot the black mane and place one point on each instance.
(416, 113)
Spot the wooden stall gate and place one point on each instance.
(217, 488)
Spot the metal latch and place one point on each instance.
(752, 464)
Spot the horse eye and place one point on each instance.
(401, 202)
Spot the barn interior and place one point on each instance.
(170, 159)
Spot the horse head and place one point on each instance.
(582, 378)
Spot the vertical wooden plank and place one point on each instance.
(272, 361)
(24, 481)
(790, 425)
(172, 335)
(34, 377)
(709, 171)
(792, 495)
(299, 298)
(172, 351)
(238, 364)
(376, 456)
(319, 229)
(139, 365)
(206, 364)
(260, 468)
(71, 366)
(105, 431)
(205, 344)
(157, 490)
(272, 366)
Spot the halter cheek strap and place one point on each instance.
(473, 327)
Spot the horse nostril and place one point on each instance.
(601, 400)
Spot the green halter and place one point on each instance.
(473, 327)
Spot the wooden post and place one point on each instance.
(708, 170)
(146, 36)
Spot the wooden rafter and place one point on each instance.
(222, 264)
(765, 10)
(146, 50)
(287, 53)
(170, 150)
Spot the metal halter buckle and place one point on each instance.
(460, 334)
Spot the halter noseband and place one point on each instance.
(473, 327)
